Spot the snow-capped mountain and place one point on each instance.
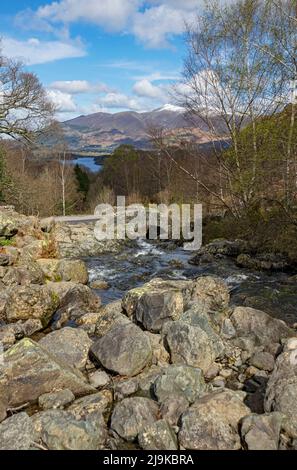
(104, 131)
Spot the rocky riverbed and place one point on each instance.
(164, 352)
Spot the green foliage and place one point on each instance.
(265, 166)
(3, 175)
(6, 242)
(83, 181)
(123, 155)
(121, 168)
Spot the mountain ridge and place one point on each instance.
(106, 131)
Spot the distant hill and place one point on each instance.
(104, 131)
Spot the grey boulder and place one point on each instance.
(265, 329)
(180, 381)
(33, 301)
(125, 349)
(212, 422)
(70, 345)
(29, 371)
(189, 345)
(17, 433)
(262, 432)
(281, 391)
(60, 430)
(132, 415)
(157, 436)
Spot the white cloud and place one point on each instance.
(76, 87)
(120, 101)
(145, 88)
(33, 51)
(180, 4)
(155, 25)
(152, 21)
(111, 14)
(63, 101)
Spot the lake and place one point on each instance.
(87, 162)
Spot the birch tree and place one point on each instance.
(227, 78)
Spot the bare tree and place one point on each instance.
(25, 109)
(228, 79)
(282, 50)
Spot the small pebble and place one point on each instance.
(212, 372)
(99, 379)
(52, 401)
(226, 373)
(291, 344)
(219, 382)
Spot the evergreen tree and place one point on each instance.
(83, 181)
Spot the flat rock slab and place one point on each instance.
(70, 345)
(29, 371)
(17, 433)
(60, 430)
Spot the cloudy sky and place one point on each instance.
(99, 55)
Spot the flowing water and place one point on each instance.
(275, 293)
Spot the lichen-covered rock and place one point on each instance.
(189, 345)
(70, 345)
(212, 422)
(7, 337)
(28, 302)
(110, 316)
(160, 354)
(212, 291)
(132, 415)
(154, 293)
(60, 430)
(265, 329)
(226, 247)
(281, 389)
(262, 432)
(267, 262)
(24, 275)
(11, 223)
(178, 381)
(52, 401)
(5, 259)
(158, 436)
(17, 433)
(125, 349)
(142, 384)
(100, 402)
(75, 303)
(29, 371)
(197, 316)
(3, 402)
(68, 270)
(74, 241)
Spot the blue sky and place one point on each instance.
(99, 55)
